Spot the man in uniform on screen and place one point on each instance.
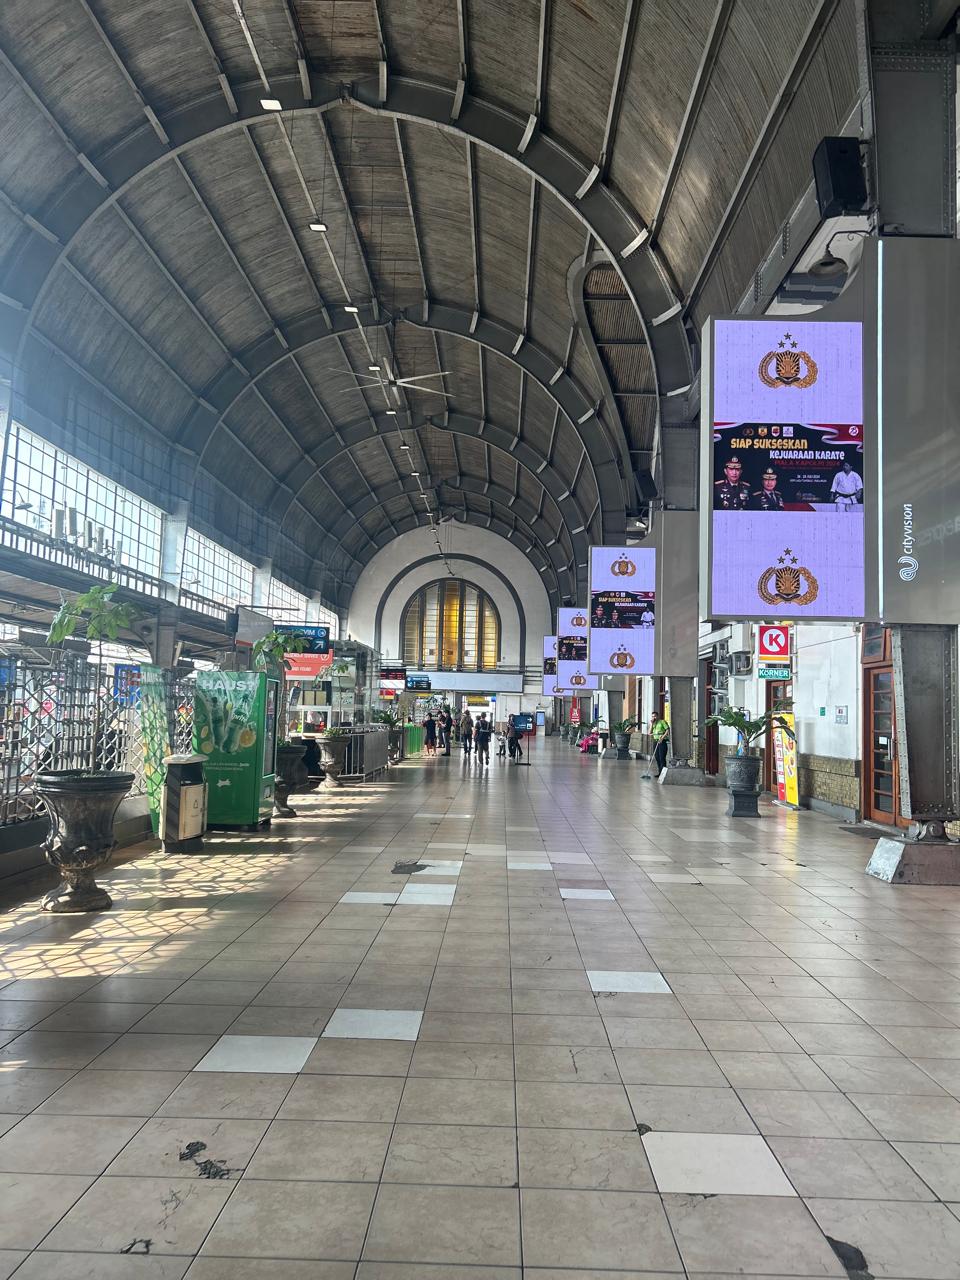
(769, 498)
(847, 488)
(731, 494)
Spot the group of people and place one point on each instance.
(474, 736)
(732, 493)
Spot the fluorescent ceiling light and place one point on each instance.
(352, 311)
(374, 368)
(405, 447)
(414, 473)
(391, 413)
(271, 104)
(318, 226)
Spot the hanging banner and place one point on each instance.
(572, 671)
(551, 689)
(154, 735)
(783, 470)
(622, 610)
(785, 758)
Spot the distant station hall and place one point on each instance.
(479, 606)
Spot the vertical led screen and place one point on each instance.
(572, 672)
(550, 687)
(785, 472)
(622, 610)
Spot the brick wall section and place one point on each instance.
(830, 779)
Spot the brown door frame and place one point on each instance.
(875, 658)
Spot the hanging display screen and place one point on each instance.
(783, 476)
(572, 672)
(550, 687)
(622, 610)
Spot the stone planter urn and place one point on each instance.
(291, 777)
(395, 745)
(82, 807)
(334, 752)
(743, 773)
(622, 741)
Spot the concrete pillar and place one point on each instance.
(261, 588)
(679, 772)
(163, 642)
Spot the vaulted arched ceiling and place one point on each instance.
(463, 158)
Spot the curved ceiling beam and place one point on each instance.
(497, 438)
(583, 191)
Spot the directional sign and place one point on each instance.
(774, 673)
(774, 642)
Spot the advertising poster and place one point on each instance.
(786, 469)
(785, 757)
(622, 610)
(393, 679)
(550, 687)
(572, 671)
(315, 660)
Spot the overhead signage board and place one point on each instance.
(774, 673)
(783, 470)
(417, 682)
(316, 660)
(551, 688)
(773, 642)
(572, 671)
(623, 584)
(393, 679)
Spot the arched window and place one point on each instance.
(451, 625)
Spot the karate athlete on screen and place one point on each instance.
(847, 488)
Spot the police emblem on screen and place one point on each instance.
(578, 620)
(787, 582)
(623, 568)
(622, 659)
(788, 366)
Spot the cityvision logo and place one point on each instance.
(908, 562)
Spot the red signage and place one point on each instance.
(774, 642)
(575, 714)
(307, 665)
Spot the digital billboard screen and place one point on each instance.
(784, 473)
(572, 672)
(393, 679)
(550, 687)
(622, 610)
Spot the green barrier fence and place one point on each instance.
(412, 740)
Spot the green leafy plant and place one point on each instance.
(749, 729)
(270, 654)
(102, 618)
(339, 670)
(391, 719)
(623, 726)
(335, 732)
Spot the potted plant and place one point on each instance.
(333, 745)
(394, 723)
(743, 768)
(621, 730)
(82, 803)
(269, 653)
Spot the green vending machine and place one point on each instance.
(235, 730)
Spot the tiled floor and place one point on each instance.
(607, 1032)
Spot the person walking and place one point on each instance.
(513, 740)
(466, 732)
(660, 732)
(501, 742)
(430, 735)
(481, 736)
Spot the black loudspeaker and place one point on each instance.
(646, 485)
(838, 174)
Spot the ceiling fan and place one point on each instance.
(381, 375)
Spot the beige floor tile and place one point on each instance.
(32, 1203)
(791, 1113)
(360, 1057)
(608, 1229)
(421, 1271)
(462, 1061)
(207, 1268)
(573, 1106)
(467, 1028)
(458, 1225)
(236, 1095)
(183, 1148)
(689, 1109)
(652, 1033)
(562, 1064)
(189, 1019)
(896, 1238)
(110, 1093)
(583, 1158)
(49, 1265)
(749, 1235)
(460, 1155)
(854, 1168)
(290, 1220)
(325, 1151)
(65, 1144)
(669, 1067)
(93, 1016)
(55, 1049)
(373, 1098)
(27, 1087)
(141, 1051)
(435, 1101)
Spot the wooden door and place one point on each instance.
(711, 732)
(881, 793)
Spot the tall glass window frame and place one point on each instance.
(450, 624)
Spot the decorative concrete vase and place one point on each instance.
(82, 807)
(395, 745)
(622, 741)
(743, 773)
(334, 757)
(291, 777)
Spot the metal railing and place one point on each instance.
(366, 755)
(49, 719)
(65, 555)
